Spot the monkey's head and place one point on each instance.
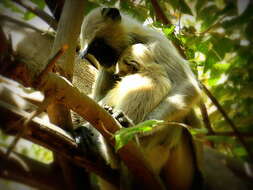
(105, 33)
(136, 59)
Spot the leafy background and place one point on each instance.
(216, 37)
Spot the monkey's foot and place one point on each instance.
(119, 116)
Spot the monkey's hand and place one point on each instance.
(119, 116)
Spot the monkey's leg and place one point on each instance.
(181, 171)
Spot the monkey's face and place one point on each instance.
(103, 36)
(126, 66)
(134, 59)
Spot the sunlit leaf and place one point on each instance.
(240, 151)
(124, 135)
(169, 30)
(201, 131)
(28, 15)
(9, 4)
(40, 3)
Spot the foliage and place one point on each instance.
(124, 135)
(27, 15)
(216, 36)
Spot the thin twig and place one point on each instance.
(40, 13)
(164, 19)
(21, 23)
(15, 141)
(230, 122)
(231, 134)
(25, 125)
(42, 107)
(51, 63)
(206, 120)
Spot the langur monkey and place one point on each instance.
(110, 36)
(143, 84)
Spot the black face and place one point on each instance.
(105, 54)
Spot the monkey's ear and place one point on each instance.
(112, 13)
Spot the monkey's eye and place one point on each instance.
(135, 66)
(132, 65)
(126, 62)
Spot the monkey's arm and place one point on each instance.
(137, 95)
(177, 104)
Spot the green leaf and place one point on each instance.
(138, 12)
(28, 15)
(245, 17)
(240, 151)
(40, 3)
(169, 30)
(212, 58)
(181, 5)
(220, 139)
(222, 45)
(90, 6)
(199, 5)
(124, 135)
(201, 131)
(12, 6)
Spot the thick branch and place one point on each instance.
(40, 13)
(30, 172)
(159, 13)
(67, 34)
(51, 137)
(163, 19)
(92, 112)
(99, 118)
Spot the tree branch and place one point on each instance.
(30, 172)
(230, 122)
(159, 13)
(51, 137)
(18, 22)
(231, 134)
(92, 112)
(163, 19)
(71, 18)
(40, 13)
(206, 121)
